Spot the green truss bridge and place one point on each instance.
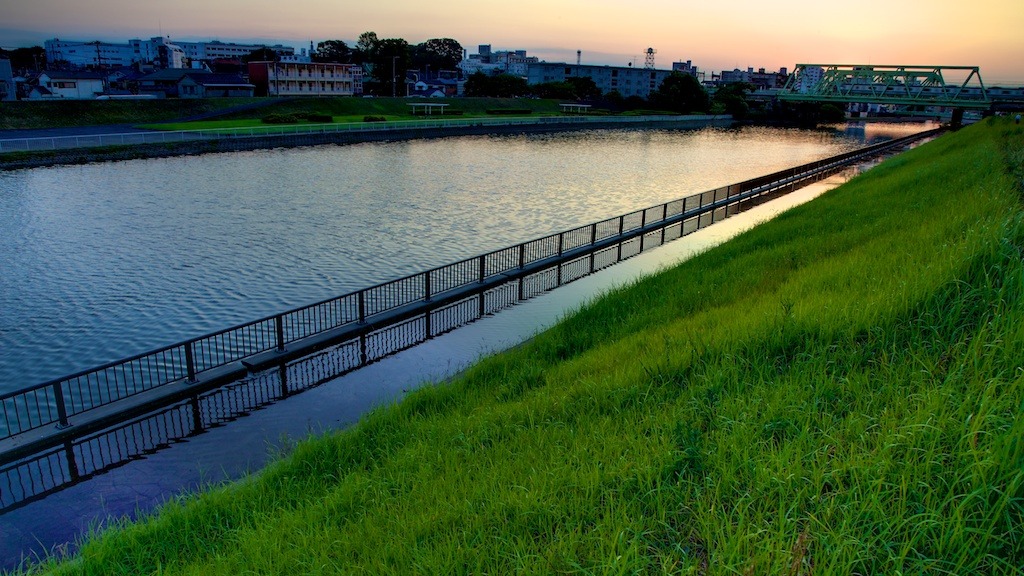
(947, 86)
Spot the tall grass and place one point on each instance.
(838, 391)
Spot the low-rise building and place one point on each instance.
(306, 79)
(209, 85)
(72, 85)
(163, 83)
(687, 68)
(760, 79)
(626, 80)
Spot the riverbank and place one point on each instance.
(234, 141)
(838, 388)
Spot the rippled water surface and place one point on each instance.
(104, 261)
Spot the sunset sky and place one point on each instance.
(714, 35)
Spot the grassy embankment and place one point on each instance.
(160, 114)
(70, 113)
(837, 391)
(343, 110)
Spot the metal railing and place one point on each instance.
(174, 136)
(428, 303)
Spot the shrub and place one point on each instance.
(280, 119)
(320, 118)
(374, 119)
(509, 111)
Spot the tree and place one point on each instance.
(264, 54)
(732, 99)
(584, 87)
(438, 54)
(500, 86)
(366, 47)
(680, 93)
(24, 60)
(332, 51)
(554, 91)
(390, 59)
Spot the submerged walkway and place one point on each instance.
(167, 142)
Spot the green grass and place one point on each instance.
(68, 113)
(21, 115)
(838, 391)
(355, 109)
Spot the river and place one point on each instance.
(103, 261)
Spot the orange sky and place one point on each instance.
(715, 35)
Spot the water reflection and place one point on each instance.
(103, 261)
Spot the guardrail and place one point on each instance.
(173, 136)
(368, 318)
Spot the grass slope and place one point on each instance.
(67, 113)
(356, 109)
(838, 391)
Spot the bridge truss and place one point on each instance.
(899, 85)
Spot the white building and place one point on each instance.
(158, 51)
(216, 49)
(809, 77)
(76, 85)
(81, 54)
(514, 62)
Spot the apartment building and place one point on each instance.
(626, 80)
(305, 79)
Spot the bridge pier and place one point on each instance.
(957, 121)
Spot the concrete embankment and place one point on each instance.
(17, 161)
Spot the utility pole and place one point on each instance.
(394, 75)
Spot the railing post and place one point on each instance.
(522, 256)
(279, 331)
(362, 306)
(426, 286)
(62, 410)
(481, 262)
(593, 234)
(282, 375)
(69, 452)
(190, 363)
(618, 247)
(197, 415)
(561, 236)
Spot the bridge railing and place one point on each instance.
(56, 401)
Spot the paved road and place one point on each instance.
(71, 131)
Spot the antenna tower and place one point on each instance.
(649, 61)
